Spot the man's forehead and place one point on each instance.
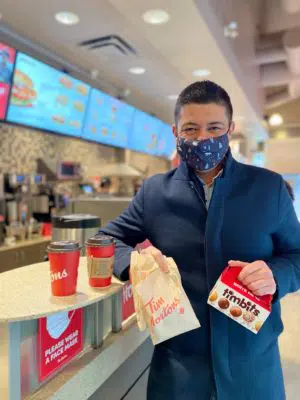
(213, 112)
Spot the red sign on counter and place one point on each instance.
(60, 339)
(127, 301)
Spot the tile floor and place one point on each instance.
(290, 345)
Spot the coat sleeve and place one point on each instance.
(128, 230)
(285, 263)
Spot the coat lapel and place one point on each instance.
(215, 261)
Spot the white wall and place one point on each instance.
(283, 156)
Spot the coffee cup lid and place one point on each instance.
(63, 246)
(100, 240)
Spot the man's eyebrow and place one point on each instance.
(190, 123)
(216, 123)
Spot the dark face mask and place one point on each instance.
(203, 155)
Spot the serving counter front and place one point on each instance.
(101, 340)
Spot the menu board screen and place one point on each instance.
(144, 134)
(7, 60)
(108, 120)
(45, 98)
(167, 143)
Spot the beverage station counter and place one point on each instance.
(23, 252)
(25, 243)
(54, 347)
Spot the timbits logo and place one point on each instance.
(245, 304)
(58, 276)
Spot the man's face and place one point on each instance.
(202, 121)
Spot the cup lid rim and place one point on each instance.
(100, 240)
(63, 246)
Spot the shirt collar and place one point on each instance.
(213, 181)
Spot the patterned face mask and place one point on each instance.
(203, 155)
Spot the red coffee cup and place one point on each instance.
(100, 251)
(64, 261)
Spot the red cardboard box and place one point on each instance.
(234, 300)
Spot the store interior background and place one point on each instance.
(250, 47)
(250, 61)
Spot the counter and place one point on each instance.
(25, 243)
(23, 253)
(26, 297)
(114, 362)
(26, 293)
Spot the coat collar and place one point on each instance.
(184, 172)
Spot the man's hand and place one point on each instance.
(158, 257)
(256, 276)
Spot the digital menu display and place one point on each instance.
(144, 135)
(108, 120)
(166, 143)
(45, 98)
(7, 61)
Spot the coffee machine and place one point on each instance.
(39, 196)
(16, 195)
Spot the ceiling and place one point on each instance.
(275, 20)
(170, 52)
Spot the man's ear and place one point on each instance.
(231, 128)
(175, 132)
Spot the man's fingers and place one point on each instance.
(235, 263)
(264, 291)
(249, 269)
(257, 276)
(259, 285)
(161, 261)
(158, 257)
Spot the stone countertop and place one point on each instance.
(25, 243)
(26, 293)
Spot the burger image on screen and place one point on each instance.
(23, 93)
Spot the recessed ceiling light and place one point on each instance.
(173, 96)
(137, 70)
(201, 73)
(275, 120)
(231, 30)
(233, 25)
(67, 18)
(156, 17)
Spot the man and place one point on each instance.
(209, 212)
(5, 67)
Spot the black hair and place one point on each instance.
(290, 190)
(203, 92)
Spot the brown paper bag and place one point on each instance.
(159, 298)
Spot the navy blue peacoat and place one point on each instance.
(250, 217)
